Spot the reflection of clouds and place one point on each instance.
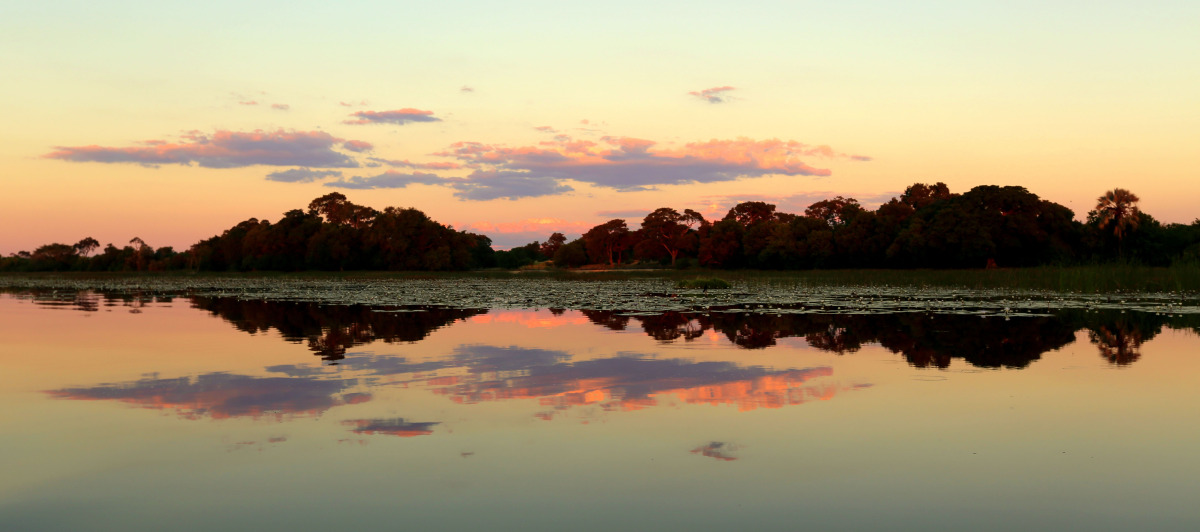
(624, 382)
(717, 449)
(392, 427)
(223, 395)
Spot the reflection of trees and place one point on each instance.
(1118, 345)
(670, 326)
(1119, 336)
(924, 340)
(87, 300)
(330, 330)
(607, 318)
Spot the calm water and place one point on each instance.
(210, 413)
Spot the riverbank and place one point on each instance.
(1083, 279)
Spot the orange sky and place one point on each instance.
(517, 121)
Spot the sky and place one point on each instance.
(173, 121)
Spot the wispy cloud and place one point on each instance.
(717, 449)
(248, 102)
(628, 164)
(391, 427)
(302, 175)
(388, 179)
(398, 117)
(714, 94)
(358, 146)
(482, 186)
(224, 395)
(479, 187)
(405, 163)
(280, 106)
(223, 149)
(465, 88)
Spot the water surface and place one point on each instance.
(210, 411)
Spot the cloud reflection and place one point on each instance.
(225, 395)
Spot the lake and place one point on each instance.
(455, 405)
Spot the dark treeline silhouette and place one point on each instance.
(332, 234)
(925, 227)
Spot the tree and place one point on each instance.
(607, 241)
(920, 195)
(1117, 211)
(140, 252)
(835, 212)
(749, 213)
(85, 247)
(670, 230)
(551, 245)
(333, 207)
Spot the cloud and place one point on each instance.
(630, 164)
(224, 149)
(482, 186)
(358, 146)
(465, 88)
(302, 175)
(248, 102)
(392, 427)
(714, 94)
(281, 106)
(625, 382)
(404, 163)
(398, 117)
(510, 185)
(388, 179)
(224, 395)
(717, 449)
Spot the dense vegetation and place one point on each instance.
(926, 227)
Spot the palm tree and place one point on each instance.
(1116, 208)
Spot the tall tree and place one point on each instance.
(85, 247)
(1117, 211)
(551, 245)
(666, 228)
(607, 240)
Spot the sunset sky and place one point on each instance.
(174, 121)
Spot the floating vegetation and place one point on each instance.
(703, 284)
(627, 295)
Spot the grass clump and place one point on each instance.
(704, 284)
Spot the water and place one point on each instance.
(137, 410)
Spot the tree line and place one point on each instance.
(927, 226)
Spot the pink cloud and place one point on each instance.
(398, 117)
(627, 163)
(248, 102)
(223, 149)
(714, 95)
(280, 106)
(358, 146)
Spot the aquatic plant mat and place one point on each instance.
(651, 295)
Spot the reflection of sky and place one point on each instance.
(223, 395)
(1054, 438)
